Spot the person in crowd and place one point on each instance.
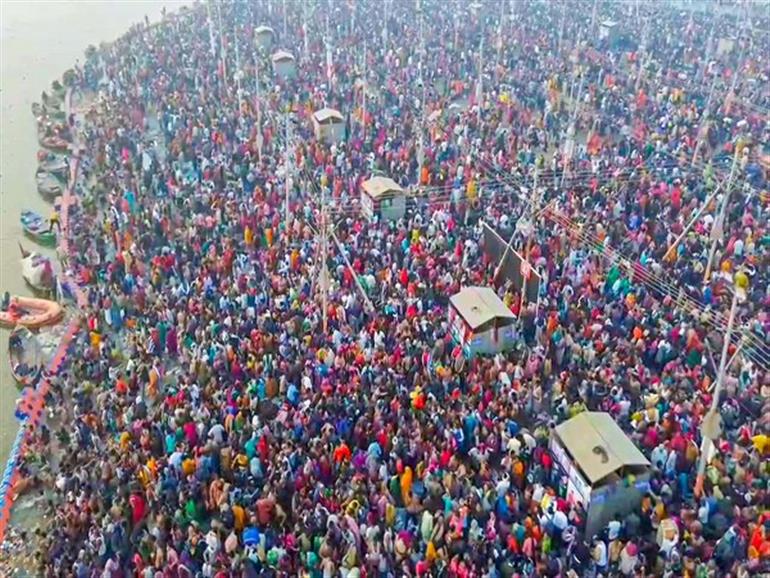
(232, 411)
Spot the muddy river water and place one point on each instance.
(38, 41)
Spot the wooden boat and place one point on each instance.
(46, 155)
(51, 100)
(24, 355)
(53, 141)
(36, 228)
(45, 114)
(56, 164)
(30, 312)
(37, 271)
(48, 185)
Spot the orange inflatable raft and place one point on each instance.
(31, 312)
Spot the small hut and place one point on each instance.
(725, 46)
(284, 64)
(381, 196)
(601, 467)
(263, 36)
(608, 31)
(480, 321)
(329, 125)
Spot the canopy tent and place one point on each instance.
(480, 305)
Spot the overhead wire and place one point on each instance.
(654, 281)
(446, 194)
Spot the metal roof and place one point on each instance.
(328, 114)
(478, 305)
(282, 55)
(598, 445)
(377, 187)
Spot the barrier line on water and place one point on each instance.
(36, 405)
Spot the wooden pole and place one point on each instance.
(363, 99)
(223, 54)
(694, 220)
(329, 62)
(211, 30)
(353, 273)
(705, 124)
(258, 106)
(385, 26)
(707, 441)
(324, 268)
(479, 86)
(287, 176)
(237, 66)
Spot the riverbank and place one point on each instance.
(239, 410)
(34, 414)
(39, 41)
(38, 56)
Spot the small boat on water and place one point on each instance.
(48, 185)
(43, 113)
(24, 355)
(54, 99)
(37, 271)
(53, 141)
(29, 312)
(36, 228)
(46, 106)
(46, 155)
(56, 164)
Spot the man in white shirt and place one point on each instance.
(217, 433)
(703, 513)
(537, 493)
(560, 521)
(514, 446)
(613, 529)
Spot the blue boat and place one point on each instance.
(36, 228)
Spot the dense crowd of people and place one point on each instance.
(211, 425)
